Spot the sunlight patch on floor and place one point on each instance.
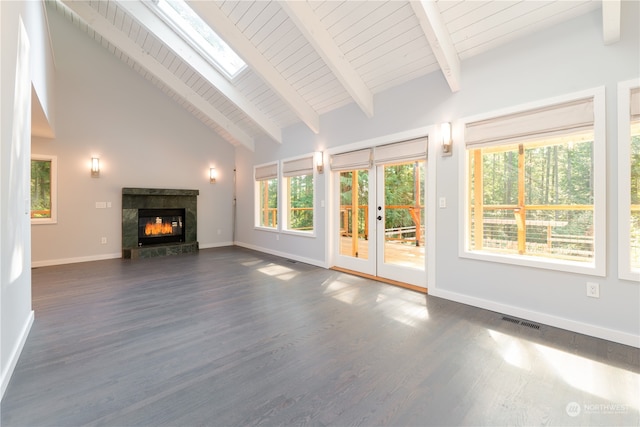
(341, 291)
(614, 384)
(279, 271)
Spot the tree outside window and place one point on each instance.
(300, 203)
(43, 189)
(268, 190)
(534, 198)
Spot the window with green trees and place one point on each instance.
(269, 203)
(299, 196)
(534, 198)
(298, 193)
(266, 190)
(533, 186)
(43, 186)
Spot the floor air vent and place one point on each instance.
(530, 325)
(521, 323)
(510, 319)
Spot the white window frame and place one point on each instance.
(54, 189)
(256, 191)
(625, 271)
(284, 201)
(598, 266)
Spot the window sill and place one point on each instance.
(43, 221)
(588, 268)
(300, 233)
(269, 229)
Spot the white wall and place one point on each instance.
(143, 139)
(16, 315)
(561, 60)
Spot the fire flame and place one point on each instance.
(153, 229)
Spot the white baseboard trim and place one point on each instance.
(317, 263)
(214, 245)
(49, 262)
(61, 261)
(7, 371)
(547, 319)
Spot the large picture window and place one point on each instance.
(532, 186)
(43, 189)
(266, 190)
(629, 180)
(298, 191)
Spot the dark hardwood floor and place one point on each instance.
(232, 337)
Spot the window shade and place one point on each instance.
(264, 173)
(635, 104)
(399, 151)
(360, 159)
(526, 125)
(297, 167)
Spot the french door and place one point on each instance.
(379, 219)
(400, 218)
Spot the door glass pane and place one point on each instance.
(354, 218)
(404, 218)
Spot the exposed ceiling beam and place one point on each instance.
(130, 48)
(439, 40)
(611, 21)
(227, 30)
(317, 35)
(150, 21)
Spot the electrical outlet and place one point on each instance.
(103, 240)
(593, 290)
(442, 202)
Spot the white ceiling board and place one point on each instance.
(315, 33)
(439, 40)
(303, 64)
(194, 65)
(211, 14)
(130, 48)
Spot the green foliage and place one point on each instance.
(346, 197)
(554, 174)
(41, 188)
(301, 202)
(403, 186)
(269, 202)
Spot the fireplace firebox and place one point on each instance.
(160, 226)
(159, 222)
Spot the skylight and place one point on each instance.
(200, 35)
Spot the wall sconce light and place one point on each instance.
(213, 174)
(447, 142)
(319, 161)
(95, 167)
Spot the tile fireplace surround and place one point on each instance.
(158, 198)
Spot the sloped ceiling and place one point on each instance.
(308, 58)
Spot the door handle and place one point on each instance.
(379, 217)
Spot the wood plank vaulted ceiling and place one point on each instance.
(308, 58)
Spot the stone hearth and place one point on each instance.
(134, 199)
